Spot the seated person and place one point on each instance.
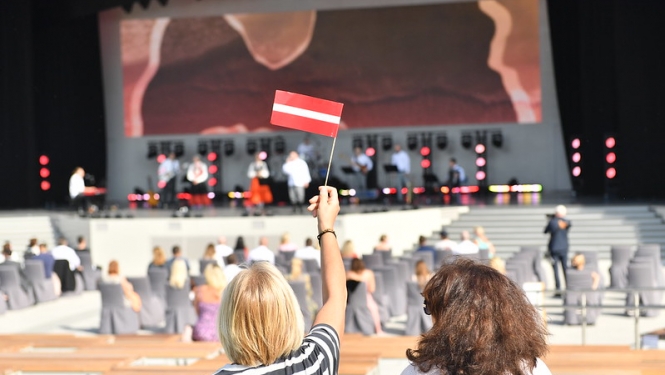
(359, 273)
(349, 250)
(578, 262)
(423, 246)
(207, 298)
(383, 244)
(422, 274)
(158, 259)
(297, 274)
(309, 252)
(132, 299)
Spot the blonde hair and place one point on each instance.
(348, 250)
(498, 264)
(286, 238)
(215, 277)
(479, 231)
(158, 256)
(296, 264)
(179, 275)
(259, 317)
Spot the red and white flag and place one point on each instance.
(306, 113)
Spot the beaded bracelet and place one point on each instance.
(324, 232)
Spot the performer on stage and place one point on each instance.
(168, 175)
(361, 164)
(78, 190)
(401, 160)
(197, 174)
(259, 189)
(456, 177)
(299, 178)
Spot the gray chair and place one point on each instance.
(240, 255)
(382, 299)
(317, 292)
(426, 256)
(358, 318)
(619, 268)
(417, 322)
(158, 280)
(203, 263)
(537, 264)
(179, 309)
(90, 274)
(42, 287)
(640, 275)
(117, 317)
(347, 264)
(515, 271)
(387, 255)
(300, 290)
(311, 266)
(403, 271)
(198, 280)
(575, 281)
(152, 307)
(288, 255)
(396, 289)
(10, 284)
(373, 260)
(653, 251)
(3, 303)
(484, 255)
(442, 256)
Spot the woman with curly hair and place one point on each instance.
(483, 324)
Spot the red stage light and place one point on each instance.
(480, 148)
(610, 142)
(576, 143)
(43, 160)
(161, 158)
(212, 181)
(212, 169)
(577, 171)
(481, 162)
(371, 151)
(480, 175)
(611, 158)
(212, 156)
(45, 185)
(44, 172)
(611, 173)
(161, 184)
(577, 157)
(424, 151)
(425, 163)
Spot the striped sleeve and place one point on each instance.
(327, 342)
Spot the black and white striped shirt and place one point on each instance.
(318, 355)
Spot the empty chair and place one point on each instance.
(441, 256)
(576, 281)
(10, 284)
(312, 266)
(373, 260)
(515, 272)
(90, 274)
(203, 263)
(386, 255)
(158, 281)
(317, 284)
(417, 322)
(300, 290)
(152, 307)
(537, 263)
(42, 287)
(117, 317)
(426, 256)
(653, 251)
(381, 297)
(619, 268)
(358, 317)
(288, 255)
(395, 288)
(179, 309)
(525, 260)
(640, 275)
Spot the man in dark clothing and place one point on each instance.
(558, 228)
(423, 246)
(47, 259)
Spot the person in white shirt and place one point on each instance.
(197, 174)
(261, 253)
(222, 250)
(78, 190)
(362, 165)
(231, 269)
(466, 246)
(62, 251)
(308, 252)
(401, 160)
(168, 175)
(445, 243)
(299, 178)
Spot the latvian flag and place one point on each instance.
(306, 113)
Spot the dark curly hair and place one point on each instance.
(483, 324)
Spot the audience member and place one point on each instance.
(483, 324)
(359, 273)
(383, 244)
(298, 274)
(285, 243)
(82, 245)
(309, 252)
(557, 247)
(47, 259)
(8, 246)
(9, 263)
(498, 264)
(222, 250)
(209, 253)
(178, 274)
(349, 250)
(177, 255)
(422, 274)
(261, 253)
(466, 246)
(240, 246)
(206, 302)
(32, 249)
(482, 242)
(578, 262)
(132, 299)
(231, 269)
(444, 242)
(62, 251)
(158, 259)
(423, 246)
(253, 344)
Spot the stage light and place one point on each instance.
(441, 141)
(371, 151)
(610, 167)
(575, 143)
(425, 151)
(161, 184)
(425, 163)
(280, 145)
(152, 150)
(480, 162)
(161, 158)
(229, 148)
(44, 160)
(212, 156)
(45, 185)
(611, 158)
(576, 158)
(212, 169)
(251, 147)
(44, 172)
(481, 175)
(610, 142)
(386, 143)
(611, 173)
(412, 142)
(577, 171)
(203, 148)
(179, 149)
(212, 181)
(480, 148)
(467, 140)
(263, 155)
(497, 139)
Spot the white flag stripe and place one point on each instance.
(306, 113)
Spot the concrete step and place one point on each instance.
(577, 242)
(468, 221)
(546, 209)
(496, 236)
(519, 231)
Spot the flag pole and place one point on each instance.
(330, 161)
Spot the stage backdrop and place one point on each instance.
(454, 63)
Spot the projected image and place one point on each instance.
(471, 62)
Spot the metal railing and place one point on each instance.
(636, 308)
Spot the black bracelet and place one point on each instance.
(324, 232)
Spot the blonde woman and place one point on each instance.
(206, 303)
(297, 274)
(158, 259)
(179, 275)
(349, 250)
(260, 323)
(483, 242)
(285, 243)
